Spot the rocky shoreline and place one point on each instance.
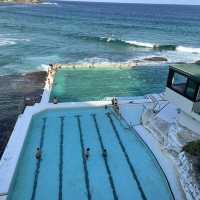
(12, 92)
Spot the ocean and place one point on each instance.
(32, 36)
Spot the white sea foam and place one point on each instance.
(93, 60)
(49, 3)
(177, 56)
(172, 56)
(6, 41)
(163, 47)
(148, 45)
(129, 42)
(188, 49)
(141, 44)
(44, 67)
(108, 39)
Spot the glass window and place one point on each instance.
(179, 82)
(198, 95)
(191, 88)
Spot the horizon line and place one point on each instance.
(103, 1)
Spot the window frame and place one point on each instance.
(198, 92)
(170, 80)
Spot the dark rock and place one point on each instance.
(13, 90)
(6, 127)
(156, 58)
(197, 62)
(181, 63)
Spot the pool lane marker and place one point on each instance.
(127, 157)
(60, 195)
(87, 182)
(105, 158)
(144, 143)
(37, 170)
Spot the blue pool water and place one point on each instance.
(130, 170)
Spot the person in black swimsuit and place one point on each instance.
(38, 154)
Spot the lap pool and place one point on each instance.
(130, 170)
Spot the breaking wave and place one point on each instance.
(143, 45)
(188, 49)
(140, 44)
(135, 44)
(165, 47)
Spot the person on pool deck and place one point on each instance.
(38, 154)
(113, 101)
(87, 153)
(55, 100)
(104, 154)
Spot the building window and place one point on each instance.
(191, 89)
(198, 95)
(179, 82)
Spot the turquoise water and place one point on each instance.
(95, 84)
(130, 170)
(62, 32)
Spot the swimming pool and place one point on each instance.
(130, 170)
(84, 84)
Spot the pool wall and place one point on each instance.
(11, 155)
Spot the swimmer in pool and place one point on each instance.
(104, 154)
(87, 153)
(55, 100)
(38, 154)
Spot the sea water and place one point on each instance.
(62, 32)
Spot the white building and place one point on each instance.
(183, 89)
